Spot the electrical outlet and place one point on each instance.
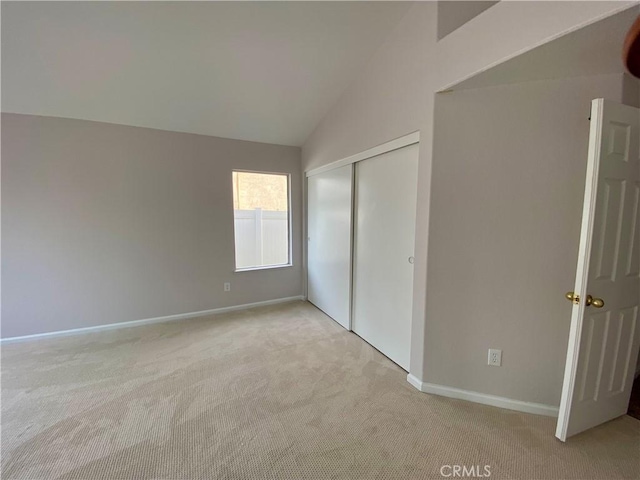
(495, 357)
(227, 287)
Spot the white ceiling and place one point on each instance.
(260, 71)
(593, 50)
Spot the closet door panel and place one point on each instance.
(385, 211)
(329, 207)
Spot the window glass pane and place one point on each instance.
(261, 219)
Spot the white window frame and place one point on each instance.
(289, 225)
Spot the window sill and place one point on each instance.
(265, 267)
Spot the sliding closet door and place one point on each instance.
(329, 203)
(385, 215)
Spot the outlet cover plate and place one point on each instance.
(495, 357)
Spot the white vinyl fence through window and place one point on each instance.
(261, 237)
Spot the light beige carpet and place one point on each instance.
(277, 392)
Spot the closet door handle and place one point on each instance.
(411, 260)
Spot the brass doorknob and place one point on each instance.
(590, 301)
(595, 302)
(572, 297)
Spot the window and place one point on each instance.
(261, 219)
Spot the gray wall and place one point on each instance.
(504, 232)
(388, 99)
(104, 223)
(631, 90)
(394, 96)
(453, 14)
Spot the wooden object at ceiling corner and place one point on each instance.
(631, 49)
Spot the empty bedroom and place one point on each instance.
(348, 240)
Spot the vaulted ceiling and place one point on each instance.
(260, 71)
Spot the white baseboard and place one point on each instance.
(483, 398)
(415, 381)
(147, 321)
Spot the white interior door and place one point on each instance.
(385, 216)
(329, 212)
(603, 340)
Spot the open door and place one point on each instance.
(604, 334)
